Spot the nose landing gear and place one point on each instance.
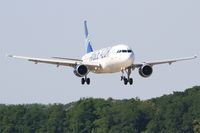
(128, 79)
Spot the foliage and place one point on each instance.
(178, 112)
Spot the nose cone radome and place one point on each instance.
(131, 58)
(128, 59)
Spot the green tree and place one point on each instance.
(178, 112)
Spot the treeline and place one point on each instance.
(175, 113)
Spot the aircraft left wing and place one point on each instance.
(170, 61)
(58, 61)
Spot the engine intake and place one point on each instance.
(80, 70)
(146, 70)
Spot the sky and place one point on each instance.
(46, 28)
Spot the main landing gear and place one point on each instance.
(85, 80)
(127, 79)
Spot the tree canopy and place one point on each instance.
(177, 113)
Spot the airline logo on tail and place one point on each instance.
(87, 41)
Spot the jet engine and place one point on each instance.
(80, 70)
(145, 70)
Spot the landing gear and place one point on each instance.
(128, 79)
(85, 80)
(88, 81)
(125, 81)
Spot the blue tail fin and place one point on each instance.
(87, 42)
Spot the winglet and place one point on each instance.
(87, 42)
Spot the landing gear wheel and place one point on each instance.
(130, 81)
(125, 81)
(85, 80)
(88, 81)
(82, 81)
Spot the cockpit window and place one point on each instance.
(124, 51)
(119, 51)
(129, 51)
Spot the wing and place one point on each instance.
(170, 61)
(58, 61)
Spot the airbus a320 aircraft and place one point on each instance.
(119, 58)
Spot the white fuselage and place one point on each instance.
(111, 59)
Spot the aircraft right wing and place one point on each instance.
(169, 61)
(58, 61)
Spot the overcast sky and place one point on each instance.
(155, 29)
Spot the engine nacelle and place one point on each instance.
(145, 70)
(80, 70)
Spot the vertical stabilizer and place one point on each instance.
(87, 42)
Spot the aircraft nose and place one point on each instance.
(130, 57)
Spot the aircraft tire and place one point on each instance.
(125, 81)
(88, 81)
(130, 81)
(82, 81)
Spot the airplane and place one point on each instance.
(118, 58)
